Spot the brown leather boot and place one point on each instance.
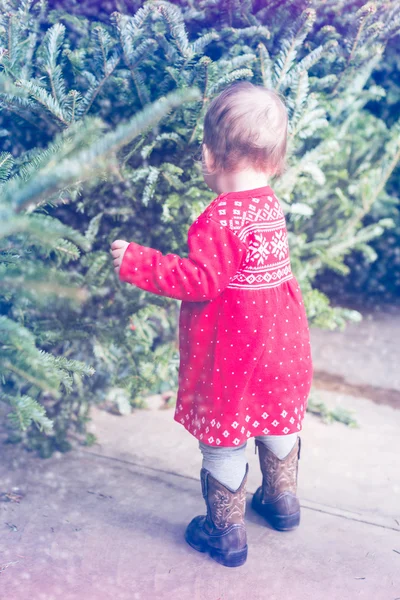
(276, 498)
(222, 531)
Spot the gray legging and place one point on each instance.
(228, 465)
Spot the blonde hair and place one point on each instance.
(247, 124)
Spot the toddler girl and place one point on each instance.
(245, 362)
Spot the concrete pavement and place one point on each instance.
(364, 355)
(107, 522)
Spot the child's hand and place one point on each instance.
(118, 250)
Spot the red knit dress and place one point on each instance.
(245, 360)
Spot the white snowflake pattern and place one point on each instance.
(235, 424)
(265, 415)
(247, 419)
(275, 423)
(279, 245)
(236, 441)
(256, 424)
(226, 433)
(283, 413)
(258, 250)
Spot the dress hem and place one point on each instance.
(239, 440)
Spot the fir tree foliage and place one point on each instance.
(33, 266)
(114, 133)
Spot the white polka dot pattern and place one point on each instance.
(245, 358)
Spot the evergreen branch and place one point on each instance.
(44, 99)
(35, 224)
(10, 40)
(52, 44)
(36, 380)
(205, 63)
(71, 365)
(23, 277)
(14, 334)
(172, 56)
(367, 204)
(36, 159)
(173, 17)
(362, 14)
(237, 62)
(133, 24)
(150, 185)
(40, 368)
(93, 228)
(197, 47)
(300, 87)
(251, 32)
(228, 79)
(142, 92)
(92, 94)
(72, 100)
(103, 44)
(98, 157)
(287, 55)
(309, 61)
(147, 150)
(133, 151)
(6, 164)
(100, 54)
(16, 105)
(27, 410)
(45, 288)
(98, 262)
(133, 56)
(265, 65)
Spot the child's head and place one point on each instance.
(246, 128)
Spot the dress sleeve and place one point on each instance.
(215, 254)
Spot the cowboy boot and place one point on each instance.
(276, 498)
(222, 531)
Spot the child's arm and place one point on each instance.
(215, 254)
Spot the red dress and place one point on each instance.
(245, 359)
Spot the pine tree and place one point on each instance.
(39, 293)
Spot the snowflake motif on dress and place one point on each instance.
(279, 244)
(258, 250)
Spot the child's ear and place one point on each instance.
(208, 158)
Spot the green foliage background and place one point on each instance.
(101, 123)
